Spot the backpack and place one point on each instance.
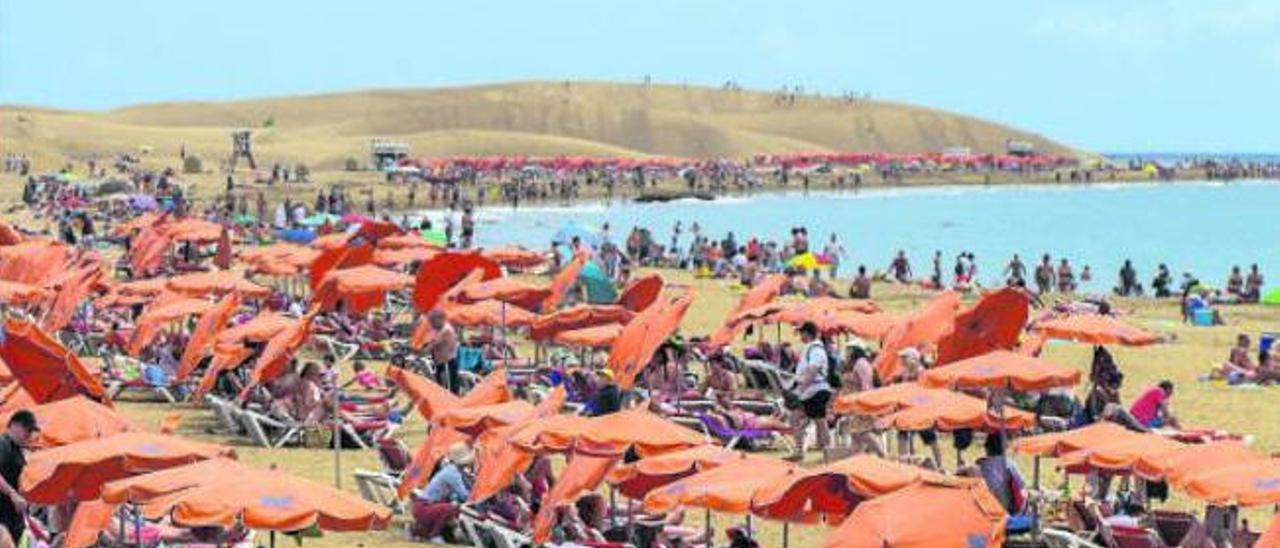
(833, 370)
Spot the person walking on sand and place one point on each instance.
(1016, 272)
(1045, 276)
(443, 349)
(812, 391)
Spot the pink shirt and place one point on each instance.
(1147, 406)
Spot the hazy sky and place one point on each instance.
(1132, 75)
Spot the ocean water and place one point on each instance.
(1199, 227)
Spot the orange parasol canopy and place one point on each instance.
(78, 471)
(1059, 443)
(1002, 369)
(949, 411)
(1251, 483)
(514, 257)
(10, 235)
(488, 314)
(497, 460)
(868, 326)
(91, 518)
(765, 291)
(509, 290)
(430, 398)
(72, 292)
(258, 329)
(330, 242)
(279, 350)
(636, 343)
(17, 293)
(399, 257)
(1095, 329)
(641, 292)
(43, 367)
(363, 287)
(582, 474)
(1120, 454)
(834, 489)
(814, 310)
(577, 317)
(72, 420)
(1188, 460)
(883, 400)
(927, 326)
(993, 323)
(217, 282)
(648, 433)
(600, 336)
(1270, 538)
(202, 337)
(563, 280)
(959, 514)
(436, 276)
(154, 319)
(276, 501)
(725, 488)
(33, 261)
(193, 230)
(145, 488)
(337, 258)
(405, 241)
(474, 420)
(634, 480)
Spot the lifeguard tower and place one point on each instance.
(386, 155)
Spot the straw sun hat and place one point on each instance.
(460, 454)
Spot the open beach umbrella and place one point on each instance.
(207, 327)
(562, 281)
(636, 479)
(763, 292)
(362, 288)
(581, 474)
(273, 500)
(403, 256)
(1251, 483)
(79, 470)
(728, 487)
(73, 420)
(1174, 467)
(817, 309)
(1095, 329)
(144, 488)
(17, 293)
(488, 314)
(520, 293)
(514, 257)
(581, 316)
(404, 241)
(867, 326)
(641, 291)
(1271, 537)
(217, 282)
(993, 323)
(1120, 455)
(958, 514)
(279, 350)
(596, 337)
(1059, 443)
(635, 346)
(474, 420)
(497, 460)
(948, 411)
(154, 319)
(926, 326)
(883, 400)
(43, 367)
(444, 271)
(833, 490)
(1002, 369)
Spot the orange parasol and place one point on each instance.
(765, 291)
(514, 257)
(260, 328)
(9, 235)
(1095, 329)
(1270, 538)
(577, 317)
(91, 518)
(33, 261)
(883, 400)
(636, 343)
(43, 367)
(436, 276)
(598, 337)
(72, 420)
(217, 282)
(475, 420)
(399, 257)
(276, 501)
(1002, 369)
(1059, 443)
(78, 471)
(959, 514)
(337, 258)
(834, 489)
(329, 242)
(508, 290)
(193, 230)
(17, 293)
(1188, 460)
(1251, 483)
(641, 292)
(202, 337)
(927, 326)
(993, 323)
(814, 310)
(73, 291)
(563, 280)
(279, 350)
(362, 288)
(636, 479)
(725, 488)
(157, 316)
(581, 475)
(1120, 454)
(488, 314)
(497, 460)
(949, 411)
(405, 241)
(868, 326)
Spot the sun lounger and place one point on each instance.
(737, 438)
(765, 376)
(118, 385)
(227, 413)
(262, 427)
(343, 351)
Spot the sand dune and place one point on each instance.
(521, 118)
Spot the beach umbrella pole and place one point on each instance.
(337, 443)
(786, 534)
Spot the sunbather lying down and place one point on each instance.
(148, 533)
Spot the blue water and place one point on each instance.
(1201, 227)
